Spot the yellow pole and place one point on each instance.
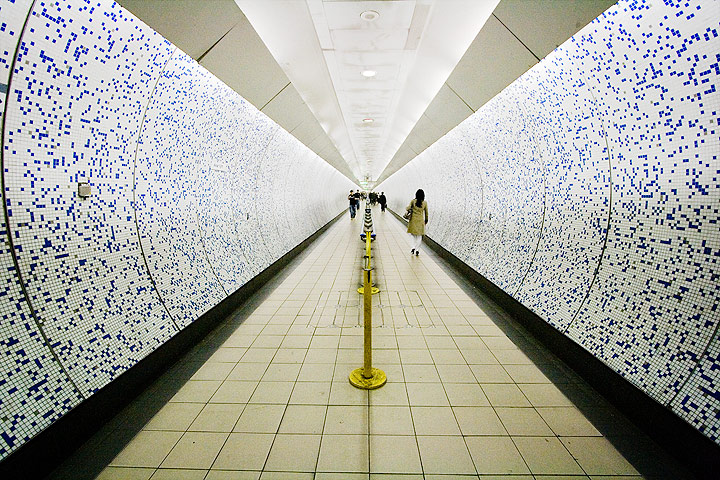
(367, 307)
(367, 377)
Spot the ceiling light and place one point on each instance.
(369, 15)
(368, 120)
(368, 73)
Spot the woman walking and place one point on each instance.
(418, 211)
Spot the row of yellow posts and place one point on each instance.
(367, 377)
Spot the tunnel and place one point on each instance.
(181, 271)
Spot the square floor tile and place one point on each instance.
(346, 419)
(217, 417)
(568, 422)
(448, 357)
(311, 393)
(316, 372)
(466, 395)
(440, 341)
(248, 371)
(512, 357)
(258, 355)
(434, 421)
(391, 420)
(445, 454)
(234, 391)
(303, 419)
(281, 372)
(389, 394)
(523, 421)
(342, 393)
(147, 449)
(496, 455)
(324, 342)
(294, 453)
(597, 456)
(260, 418)
(174, 416)
(394, 454)
(427, 394)
(232, 475)
(272, 392)
(394, 373)
(526, 374)
(343, 453)
(416, 357)
(504, 395)
(195, 450)
(321, 355)
(213, 371)
(479, 421)
(491, 374)
(499, 343)
(409, 476)
(296, 341)
(470, 343)
(196, 391)
(545, 395)
(411, 342)
(179, 474)
(290, 355)
(420, 373)
(456, 374)
(385, 357)
(238, 341)
(244, 451)
(479, 357)
(547, 455)
(125, 473)
(228, 355)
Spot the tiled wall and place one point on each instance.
(194, 192)
(589, 190)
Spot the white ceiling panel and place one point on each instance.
(250, 70)
(447, 110)
(308, 131)
(345, 15)
(542, 25)
(368, 40)
(377, 59)
(493, 61)
(208, 21)
(288, 109)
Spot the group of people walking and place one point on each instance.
(416, 213)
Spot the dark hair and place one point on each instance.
(420, 197)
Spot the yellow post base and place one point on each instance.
(378, 379)
(373, 290)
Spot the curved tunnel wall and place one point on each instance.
(589, 191)
(194, 192)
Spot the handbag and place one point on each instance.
(408, 214)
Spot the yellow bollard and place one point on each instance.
(373, 290)
(367, 377)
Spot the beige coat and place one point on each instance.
(416, 226)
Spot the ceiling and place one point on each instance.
(301, 62)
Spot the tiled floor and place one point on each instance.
(266, 395)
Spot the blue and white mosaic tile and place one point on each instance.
(175, 161)
(34, 389)
(619, 130)
(81, 83)
(167, 177)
